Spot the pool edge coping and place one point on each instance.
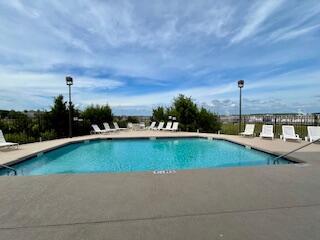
(291, 159)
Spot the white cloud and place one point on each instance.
(54, 82)
(293, 33)
(257, 15)
(22, 90)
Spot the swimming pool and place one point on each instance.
(136, 155)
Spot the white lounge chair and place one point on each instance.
(142, 125)
(4, 143)
(168, 126)
(313, 133)
(288, 133)
(97, 130)
(116, 126)
(152, 126)
(267, 131)
(160, 126)
(108, 128)
(174, 126)
(248, 131)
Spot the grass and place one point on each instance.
(233, 129)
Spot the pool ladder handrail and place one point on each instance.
(10, 169)
(296, 149)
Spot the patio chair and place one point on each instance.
(152, 126)
(160, 126)
(116, 126)
(313, 133)
(267, 132)
(168, 126)
(288, 133)
(108, 128)
(248, 131)
(97, 130)
(174, 126)
(142, 125)
(4, 143)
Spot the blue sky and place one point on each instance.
(135, 55)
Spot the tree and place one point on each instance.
(208, 122)
(59, 116)
(186, 112)
(98, 114)
(19, 121)
(188, 115)
(159, 114)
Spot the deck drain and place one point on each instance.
(164, 172)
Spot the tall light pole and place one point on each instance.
(240, 85)
(69, 82)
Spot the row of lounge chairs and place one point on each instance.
(171, 126)
(288, 132)
(107, 128)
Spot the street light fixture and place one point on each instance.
(69, 82)
(240, 85)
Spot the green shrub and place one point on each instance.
(98, 114)
(48, 135)
(208, 122)
(230, 129)
(20, 138)
(132, 119)
(189, 115)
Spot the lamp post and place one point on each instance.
(69, 82)
(240, 85)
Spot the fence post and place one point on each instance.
(275, 126)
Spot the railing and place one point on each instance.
(276, 159)
(10, 169)
(300, 122)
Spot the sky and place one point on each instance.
(136, 55)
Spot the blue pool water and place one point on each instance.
(142, 155)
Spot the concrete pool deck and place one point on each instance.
(270, 202)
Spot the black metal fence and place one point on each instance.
(300, 122)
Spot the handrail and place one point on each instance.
(297, 149)
(10, 168)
